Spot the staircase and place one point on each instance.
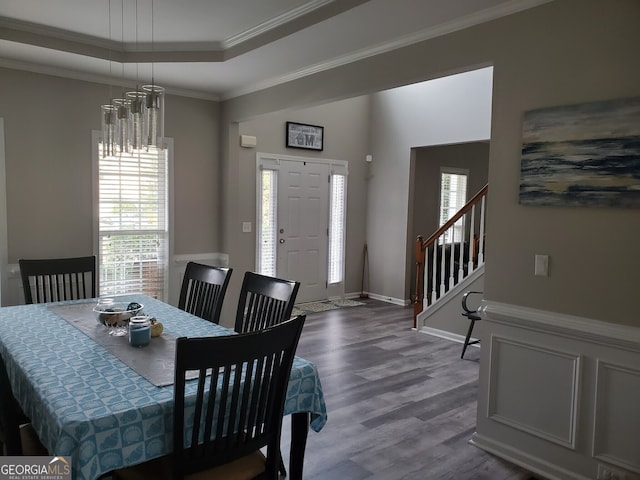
(450, 258)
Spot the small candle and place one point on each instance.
(139, 331)
(140, 337)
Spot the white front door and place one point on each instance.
(303, 225)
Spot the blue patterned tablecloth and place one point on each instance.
(87, 404)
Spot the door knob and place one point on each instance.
(282, 240)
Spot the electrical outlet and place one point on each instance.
(607, 472)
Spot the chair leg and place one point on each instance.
(466, 340)
(282, 469)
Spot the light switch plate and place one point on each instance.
(246, 227)
(542, 266)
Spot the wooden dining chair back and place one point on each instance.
(57, 279)
(264, 301)
(239, 398)
(203, 290)
(228, 396)
(17, 436)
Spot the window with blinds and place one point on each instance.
(453, 196)
(337, 215)
(269, 203)
(133, 230)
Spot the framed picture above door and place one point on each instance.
(300, 135)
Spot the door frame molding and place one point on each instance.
(272, 161)
(4, 249)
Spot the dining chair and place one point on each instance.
(264, 301)
(203, 290)
(236, 408)
(17, 436)
(57, 279)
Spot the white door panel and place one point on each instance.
(303, 217)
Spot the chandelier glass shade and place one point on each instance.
(154, 126)
(122, 134)
(134, 122)
(108, 129)
(137, 103)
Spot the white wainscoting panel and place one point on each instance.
(558, 394)
(616, 436)
(534, 389)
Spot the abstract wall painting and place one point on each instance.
(582, 155)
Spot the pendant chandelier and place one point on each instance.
(136, 120)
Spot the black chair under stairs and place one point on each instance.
(473, 317)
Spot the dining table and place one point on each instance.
(106, 404)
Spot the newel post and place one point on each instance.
(417, 302)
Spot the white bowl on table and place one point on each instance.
(116, 314)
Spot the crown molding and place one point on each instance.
(145, 52)
(101, 79)
(276, 22)
(461, 23)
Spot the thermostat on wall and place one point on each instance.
(248, 141)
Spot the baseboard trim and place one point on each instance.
(349, 296)
(517, 457)
(454, 337)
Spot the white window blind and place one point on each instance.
(453, 196)
(269, 204)
(133, 223)
(337, 228)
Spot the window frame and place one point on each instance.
(260, 227)
(337, 239)
(458, 227)
(4, 277)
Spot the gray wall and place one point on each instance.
(587, 52)
(48, 122)
(443, 111)
(472, 156)
(448, 110)
(563, 52)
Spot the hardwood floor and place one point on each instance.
(401, 405)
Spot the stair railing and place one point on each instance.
(461, 239)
